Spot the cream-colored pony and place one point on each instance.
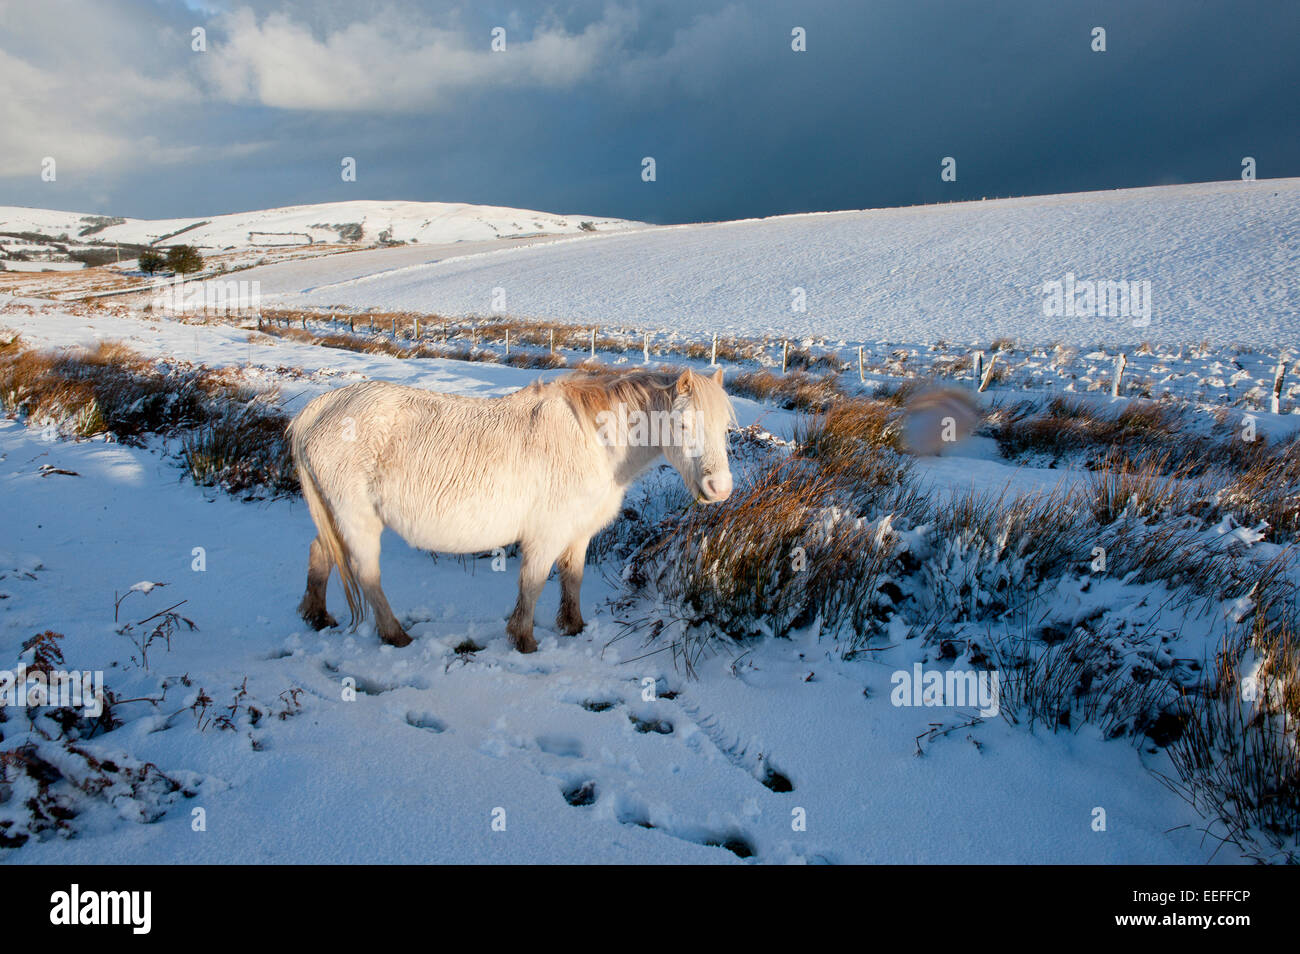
(545, 467)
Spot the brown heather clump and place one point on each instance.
(846, 436)
(231, 435)
(1072, 426)
(1268, 489)
(773, 557)
(109, 388)
(803, 359)
(798, 390)
(900, 393)
(241, 451)
(543, 360)
(1145, 488)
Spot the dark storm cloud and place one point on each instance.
(738, 123)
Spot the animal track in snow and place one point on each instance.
(737, 752)
(426, 721)
(564, 746)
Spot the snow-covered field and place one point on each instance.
(457, 748)
(436, 741)
(1220, 259)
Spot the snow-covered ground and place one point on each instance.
(1221, 259)
(437, 744)
(457, 748)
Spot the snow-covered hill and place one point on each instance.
(1215, 261)
(363, 221)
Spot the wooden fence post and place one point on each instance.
(1279, 378)
(645, 348)
(988, 372)
(507, 341)
(417, 327)
(552, 341)
(977, 363)
(1120, 362)
(785, 354)
(593, 344)
(713, 361)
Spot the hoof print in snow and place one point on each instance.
(581, 794)
(633, 814)
(775, 780)
(598, 705)
(659, 726)
(423, 720)
(562, 745)
(736, 844)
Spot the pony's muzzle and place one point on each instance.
(716, 487)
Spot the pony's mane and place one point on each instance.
(591, 392)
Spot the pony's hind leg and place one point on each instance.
(312, 608)
(363, 547)
(571, 562)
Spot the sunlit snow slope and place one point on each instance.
(1221, 259)
(422, 222)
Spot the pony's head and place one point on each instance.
(680, 414)
(701, 412)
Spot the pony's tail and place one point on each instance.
(327, 529)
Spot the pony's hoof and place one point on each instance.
(570, 626)
(320, 620)
(398, 639)
(526, 645)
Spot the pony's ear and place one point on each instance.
(684, 382)
(717, 377)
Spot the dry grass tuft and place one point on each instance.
(1237, 758)
(774, 557)
(231, 435)
(798, 390)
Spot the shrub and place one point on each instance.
(184, 259)
(151, 262)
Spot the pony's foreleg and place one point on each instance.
(312, 608)
(571, 563)
(532, 577)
